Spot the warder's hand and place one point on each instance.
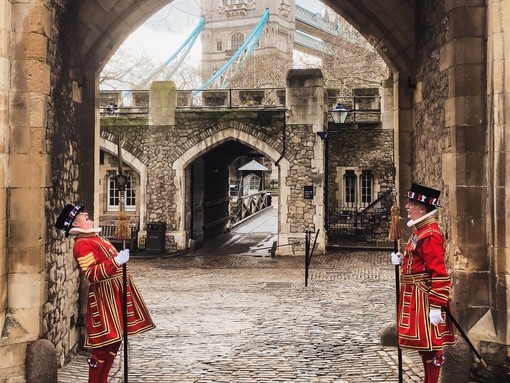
(435, 316)
(396, 258)
(122, 257)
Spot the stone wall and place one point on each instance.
(360, 149)
(42, 176)
(5, 26)
(454, 150)
(61, 317)
(430, 136)
(191, 129)
(300, 152)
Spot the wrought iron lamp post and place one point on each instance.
(121, 180)
(339, 114)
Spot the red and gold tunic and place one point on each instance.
(104, 321)
(425, 284)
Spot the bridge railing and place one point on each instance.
(248, 205)
(362, 108)
(316, 20)
(136, 102)
(231, 98)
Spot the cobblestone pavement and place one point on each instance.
(234, 318)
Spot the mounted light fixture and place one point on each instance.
(325, 134)
(339, 113)
(121, 181)
(316, 176)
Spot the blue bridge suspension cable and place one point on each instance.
(176, 59)
(231, 67)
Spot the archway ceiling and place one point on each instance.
(103, 26)
(389, 24)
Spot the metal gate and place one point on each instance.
(367, 225)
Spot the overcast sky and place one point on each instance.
(164, 33)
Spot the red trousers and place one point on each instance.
(101, 361)
(432, 362)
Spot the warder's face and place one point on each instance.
(415, 210)
(82, 221)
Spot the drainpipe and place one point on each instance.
(284, 129)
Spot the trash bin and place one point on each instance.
(155, 241)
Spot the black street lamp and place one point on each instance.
(339, 113)
(121, 180)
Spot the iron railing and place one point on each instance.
(363, 109)
(361, 226)
(245, 206)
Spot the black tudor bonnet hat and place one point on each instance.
(424, 195)
(67, 216)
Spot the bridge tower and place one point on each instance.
(230, 23)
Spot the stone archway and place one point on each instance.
(446, 58)
(216, 139)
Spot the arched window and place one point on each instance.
(236, 41)
(129, 194)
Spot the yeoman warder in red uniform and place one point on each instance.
(101, 265)
(425, 284)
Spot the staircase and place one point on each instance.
(368, 225)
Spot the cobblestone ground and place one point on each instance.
(250, 319)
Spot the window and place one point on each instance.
(129, 194)
(251, 184)
(232, 2)
(350, 188)
(281, 43)
(219, 45)
(357, 189)
(236, 41)
(366, 188)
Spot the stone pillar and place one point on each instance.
(162, 103)
(306, 99)
(403, 95)
(490, 281)
(5, 24)
(24, 28)
(465, 189)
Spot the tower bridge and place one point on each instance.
(229, 43)
(287, 26)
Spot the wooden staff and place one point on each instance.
(395, 235)
(123, 232)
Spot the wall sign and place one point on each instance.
(308, 192)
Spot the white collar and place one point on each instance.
(411, 223)
(76, 231)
